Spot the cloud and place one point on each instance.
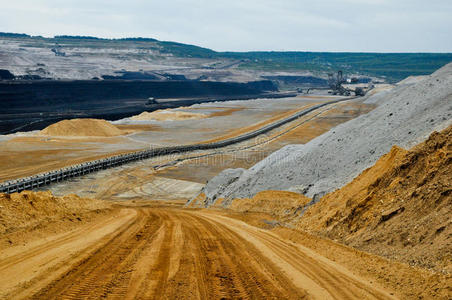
(242, 25)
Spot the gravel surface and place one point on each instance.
(249, 113)
(405, 117)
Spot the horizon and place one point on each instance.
(124, 38)
(370, 26)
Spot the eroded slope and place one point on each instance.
(399, 208)
(27, 215)
(406, 116)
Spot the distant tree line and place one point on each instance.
(9, 34)
(78, 37)
(83, 37)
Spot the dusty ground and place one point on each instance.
(155, 250)
(28, 154)
(298, 132)
(398, 209)
(165, 115)
(155, 253)
(25, 156)
(143, 244)
(156, 178)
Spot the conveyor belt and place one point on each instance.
(29, 183)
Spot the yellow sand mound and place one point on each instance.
(276, 203)
(30, 210)
(399, 208)
(167, 115)
(82, 127)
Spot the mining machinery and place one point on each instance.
(335, 84)
(337, 88)
(151, 101)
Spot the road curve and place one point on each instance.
(156, 253)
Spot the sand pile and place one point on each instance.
(167, 115)
(82, 127)
(30, 211)
(280, 204)
(405, 117)
(400, 208)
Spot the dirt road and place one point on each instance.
(154, 253)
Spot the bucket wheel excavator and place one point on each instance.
(336, 85)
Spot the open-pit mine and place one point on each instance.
(203, 180)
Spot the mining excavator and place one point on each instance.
(337, 88)
(335, 84)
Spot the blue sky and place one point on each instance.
(246, 25)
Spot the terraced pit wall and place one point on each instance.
(33, 105)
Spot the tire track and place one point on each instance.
(26, 270)
(320, 279)
(179, 254)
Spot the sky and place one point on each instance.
(246, 25)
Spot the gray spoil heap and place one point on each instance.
(405, 117)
